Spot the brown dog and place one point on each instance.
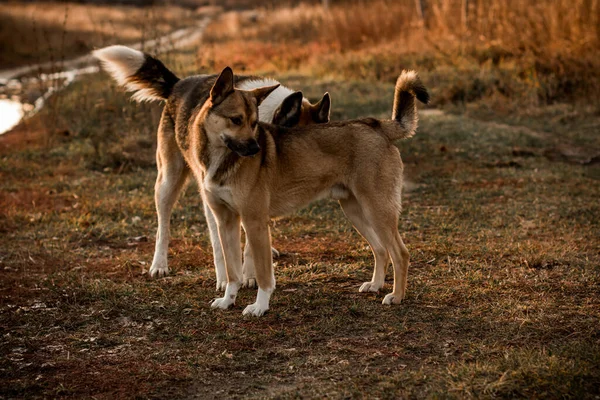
(250, 172)
(150, 80)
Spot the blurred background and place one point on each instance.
(503, 53)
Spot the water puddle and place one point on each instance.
(24, 97)
(11, 112)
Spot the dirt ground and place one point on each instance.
(501, 223)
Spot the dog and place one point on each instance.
(150, 80)
(250, 172)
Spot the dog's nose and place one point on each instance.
(251, 148)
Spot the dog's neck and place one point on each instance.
(222, 164)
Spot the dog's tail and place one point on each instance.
(138, 72)
(404, 113)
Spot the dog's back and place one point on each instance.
(150, 80)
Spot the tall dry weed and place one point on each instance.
(540, 50)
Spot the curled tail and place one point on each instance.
(404, 113)
(138, 72)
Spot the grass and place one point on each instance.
(500, 216)
(55, 31)
(503, 284)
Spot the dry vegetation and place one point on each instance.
(537, 51)
(501, 218)
(36, 32)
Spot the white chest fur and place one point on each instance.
(218, 192)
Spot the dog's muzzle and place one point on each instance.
(245, 149)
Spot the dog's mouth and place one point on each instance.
(246, 148)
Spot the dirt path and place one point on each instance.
(15, 85)
(174, 40)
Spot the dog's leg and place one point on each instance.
(355, 214)
(383, 216)
(172, 175)
(228, 224)
(400, 260)
(259, 238)
(248, 268)
(216, 245)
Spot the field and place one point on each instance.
(37, 32)
(501, 218)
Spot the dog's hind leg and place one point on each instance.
(400, 259)
(383, 215)
(354, 212)
(172, 176)
(248, 266)
(248, 272)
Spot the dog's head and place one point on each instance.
(232, 115)
(295, 110)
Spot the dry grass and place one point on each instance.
(35, 32)
(538, 51)
(504, 284)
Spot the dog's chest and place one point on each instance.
(221, 192)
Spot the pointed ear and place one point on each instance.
(263, 92)
(222, 87)
(320, 111)
(288, 114)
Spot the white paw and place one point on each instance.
(221, 285)
(158, 270)
(275, 252)
(222, 302)
(249, 283)
(369, 287)
(255, 310)
(391, 298)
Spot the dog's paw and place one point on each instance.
(275, 252)
(159, 270)
(392, 298)
(222, 302)
(255, 310)
(249, 283)
(221, 285)
(369, 287)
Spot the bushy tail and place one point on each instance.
(138, 72)
(404, 112)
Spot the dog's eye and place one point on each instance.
(236, 120)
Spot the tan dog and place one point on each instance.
(250, 172)
(151, 80)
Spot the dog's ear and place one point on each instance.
(288, 114)
(262, 93)
(223, 86)
(320, 111)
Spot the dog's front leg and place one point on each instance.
(228, 225)
(258, 237)
(215, 242)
